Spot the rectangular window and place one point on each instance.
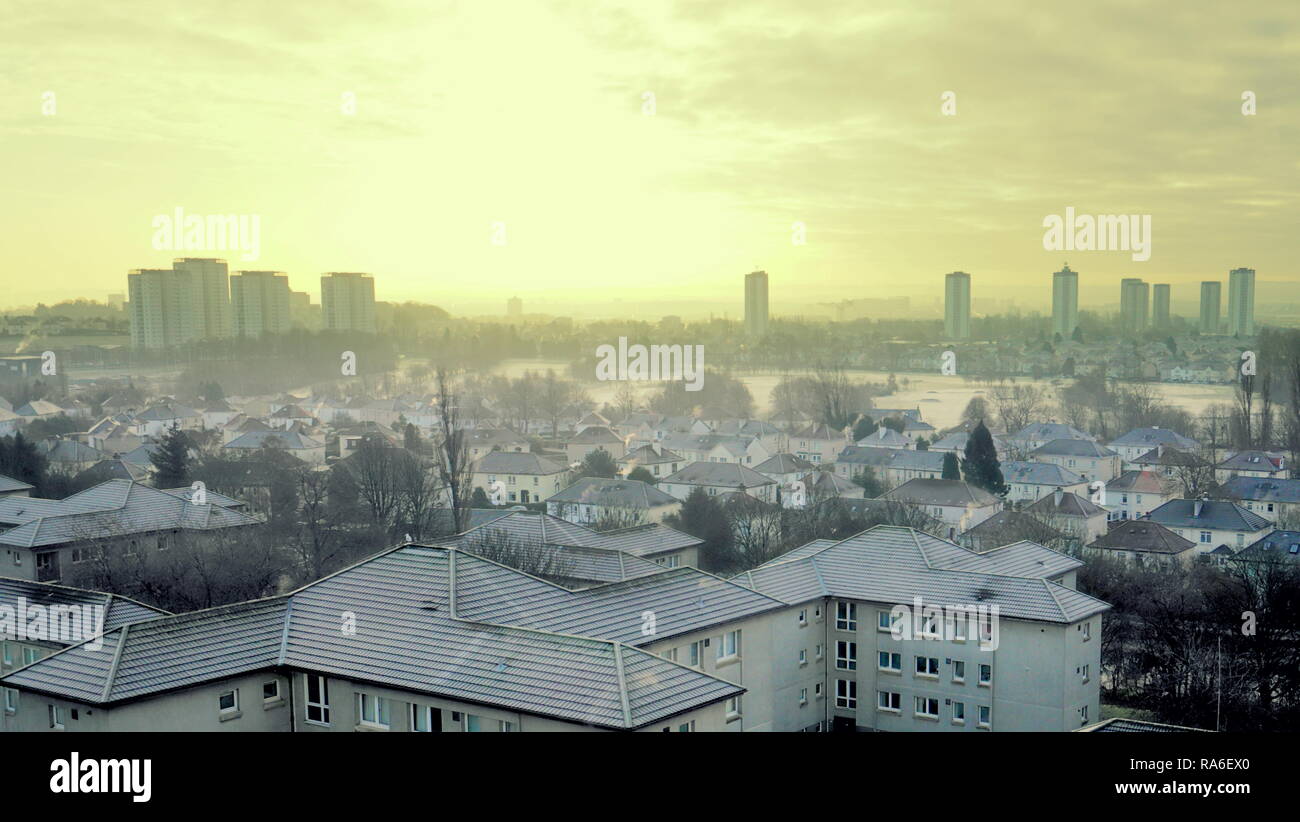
(803, 617)
(1087, 631)
(30, 655)
(11, 700)
(819, 652)
(958, 671)
(986, 674)
(927, 706)
(889, 700)
(425, 719)
(890, 662)
(803, 696)
(473, 724)
(733, 707)
(6, 653)
(986, 716)
(686, 727)
(927, 666)
(372, 710)
(1083, 715)
(1085, 673)
(56, 717)
(228, 702)
(959, 713)
(1206, 537)
(885, 620)
(505, 726)
(846, 656)
(803, 656)
(271, 690)
(817, 690)
(696, 654)
(318, 699)
(730, 645)
(846, 693)
(846, 616)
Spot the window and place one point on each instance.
(696, 653)
(228, 702)
(889, 700)
(505, 726)
(803, 696)
(729, 647)
(986, 716)
(1083, 715)
(846, 656)
(820, 653)
(56, 717)
(927, 706)
(1086, 673)
(733, 707)
(473, 724)
(803, 656)
(318, 699)
(885, 620)
(1206, 537)
(11, 700)
(7, 653)
(929, 627)
(803, 617)
(672, 561)
(30, 655)
(846, 616)
(986, 674)
(958, 671)
(817, 690)
(425, 719)
(686, 727)
(1087, 631)
(927, 666)
(959, 713)
(372, 710)
(271, 691)
(890, 662)
(846, 693)
(817, 613)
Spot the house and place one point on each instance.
(1279, 546)
(1272, 499)
(592, 419)
(482, 441)
(68, 455)
(1005, 528)
(717, 448)
(523, 477)
(109, 469)
(10, 422)
(1134, 494)
(784, 469)
(892, 466)
(82, 614)
(1212, 523)
(1141, 441)
(1071, 514)
(957, 504)
(771, 437)
(884, 437)
(217, 414)
(594, 499)
(654, 458)
(38, 409)
(1269, 464)
(889, 668)
(45, 539)
(817, 443)
(1084, 457)
(1143, 542)
(286, 416)
(955, 442)
(157, 419)
(718, 478)
(594, 438)
(1037, 434)
(10, 487)
(1031, 481)
(310, 451)
(816, 486)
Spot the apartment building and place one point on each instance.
(188, 302)
(1039, 674)
(259, 303)
(348, 302)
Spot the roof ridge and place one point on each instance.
(623, 698)
(117, 659)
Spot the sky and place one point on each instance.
(580, 153)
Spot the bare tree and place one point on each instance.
(497, 544)
(452, 454)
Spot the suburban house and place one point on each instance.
(1031, 481)
(885, 437)
(1212, 523)
(1279, 546)
(718, 448)
(1134, 494)
(659, 461)
(594, 438)
(784, 469)
(10, 487)
(892, 466)
(1037, 434)
(1143, 542)
(1267, 464)
(524, 477)
(1005, 528)
(719, 478)
(1272, 499)
(310, 451)
(957, 504)
(1071, 514)
(482, 441)
(593, 418)
(1084, 457)
(817, 443)
(1142, 441)
(955, 442)
(157, 419)
(595, 499)
(44, 539)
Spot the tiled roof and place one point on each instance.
(722, 474)
(1071, 505)
(1261, 489)
(514, 462)
(1073, 448)
(8, 485)
(1215, 514)
(1038, 473)
(1142, 535)
(924, 491)
(613, 493)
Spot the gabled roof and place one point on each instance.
(1151, 437)
(613, 493)
(884, 437)
(289, 440)
(8, 485)
(595, 434)
(818, 431)
(891, 565)
(1070, 505)
(1142, 535)
(105, 470)
(1011, 526)
(1276, 547)
(924, 491)
(646, 455)
(1137, 482)
(69, 451)
(784, 464)
(1073, 448)
(1168, 455)
(1261, 489)
(432, 632)
(1215, 514)
(900, 459)
(1252, 461)
(1039, 473)
(515, 462)
(118, 610)
(116, 507)
(1048, 431)
(721, 474)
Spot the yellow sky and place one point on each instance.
(766, 113)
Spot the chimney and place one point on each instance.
(1057, 496)
(1196, 510)
(882, 432)
(1160, 450)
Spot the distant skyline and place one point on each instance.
(765, 116)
